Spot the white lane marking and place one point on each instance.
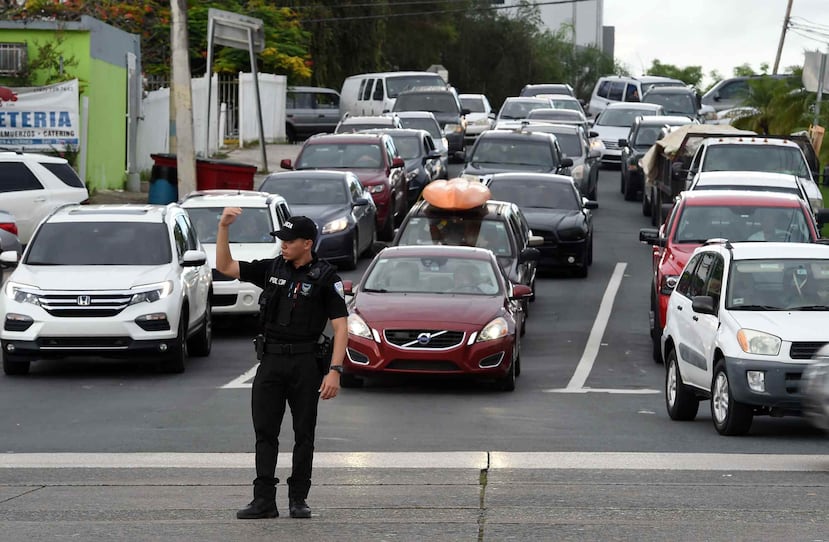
(618, 391)
(433, 460)
(244, 381)
(591, 349)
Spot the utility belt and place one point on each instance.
(321, 349)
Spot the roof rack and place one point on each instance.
(719, 241)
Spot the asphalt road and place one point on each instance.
(562, 403)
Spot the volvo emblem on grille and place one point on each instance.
(424, 338)
(84, 300)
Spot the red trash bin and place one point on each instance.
(223, 174)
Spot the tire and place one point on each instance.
(387, 233)
(176, 359)
(646, 208)
(200, 344)
(590, 251)
(351, 262)
(507, 382)
(730, 417)
(15, 366)
(348, 380)
(656, 332)
(681, 402)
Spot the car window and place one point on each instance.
(700, 276)
(713, 284)
(327, 100)
(252, 226)
(604, 89)
(191, 242)
(646, 136)
(368, 88)
(674, 104)
(298, 100)
(307, 191)
(470, 231)
(435, 102)
(356, 189)
(735, 89)
(475, 105)
(422, 123)
(342, 155)
(362, 90)
(537, 154)
(17, 177)
(398, 83)
(530, 193)
(778, 284)
(617, 90)
(772, 158)
(378, 90)
(433, 275)
(684, 284)
(738, 223)
(100, 243)
(632, 93)
(65, 173)
(282, 213)
(408, 146)
(522, 228)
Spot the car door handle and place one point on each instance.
(39, 200)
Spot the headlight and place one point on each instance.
(152, 292)
(335, 225)
(412, 175)
(577, 173)
(376, 189)
(357, 326)
(758, 342)
(668, 283)
(452, 128)
(482, 122)
(494, 330)
(22, 293)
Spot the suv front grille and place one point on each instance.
(804, 350)
(430, 339)
(85, 305)
(84, 343)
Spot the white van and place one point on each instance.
(375, 93)
(618, 88)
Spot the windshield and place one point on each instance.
(527, 193)
(471, 231)
(100, 243)
(778, 284)
(698, 223)
(427, 124)
(679, 104)
(344, 155)
(534, 155)
(254, 225)
(307, 191)
(436, 102)
(397, 84)
(620, 117)
(408, 147)
(475, 105)
(572, 105)
(771, 158)
(438, 275)
(518, 109)
(647, 136)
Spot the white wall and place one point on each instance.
(272, 94)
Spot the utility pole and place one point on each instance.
(782, 37)
(181, 100)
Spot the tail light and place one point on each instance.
(10, 227)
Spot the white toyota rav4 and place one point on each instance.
(111, 281)
(743, 322)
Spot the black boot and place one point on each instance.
(299, 508)
(259, 508)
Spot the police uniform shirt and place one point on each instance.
(312, 303)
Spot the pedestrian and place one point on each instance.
(300, 294)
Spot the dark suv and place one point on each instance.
(498, 151)
(375, 161)
(445, 105)
(499, 226)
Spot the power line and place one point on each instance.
(376, 4)
(436, 12)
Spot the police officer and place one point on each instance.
(300, 294)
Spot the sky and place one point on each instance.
(715, 34)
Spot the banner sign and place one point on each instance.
(40, 118)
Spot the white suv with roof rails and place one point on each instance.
(108, 280)
(34, 185)
(755, 181)
(742, 324)
(250, 239)
(619, 88)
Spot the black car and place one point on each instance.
(498, 226)
(423, 160)
(555, 211)
(338, 203)
(497, 151)
(444, 104)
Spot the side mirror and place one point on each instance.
(703, 304)
(529, 255)
(348, 287)
(193, 258)
(592, 133)
(649, 236)
(566, 162)
(285, 163)
(623, 142)
(465, 111)
(590, 204)
(491, 116)
(535, 241)
(397, 162)
(521, 291)
(9, 258)
(360, 202)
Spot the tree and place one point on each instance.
(691, 75)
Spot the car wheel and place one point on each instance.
(646, 206)
(589, 256)
(681, 402)
(348, 380)
(507, 382)
(176, 359)
(387, 233)
(290, 134)
(730, 417)
(201, 343)
(351, 262)
(14, 365)
(656, 332)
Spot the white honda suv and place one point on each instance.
(743, 322)
(111, 281)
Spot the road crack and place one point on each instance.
(483, 478)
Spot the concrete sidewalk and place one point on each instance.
(463, 496)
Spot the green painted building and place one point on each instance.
(101, 52)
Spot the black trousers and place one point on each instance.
(281, 379)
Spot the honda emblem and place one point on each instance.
(84, 300)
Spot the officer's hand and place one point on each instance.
(330, 385)
(229, 215)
